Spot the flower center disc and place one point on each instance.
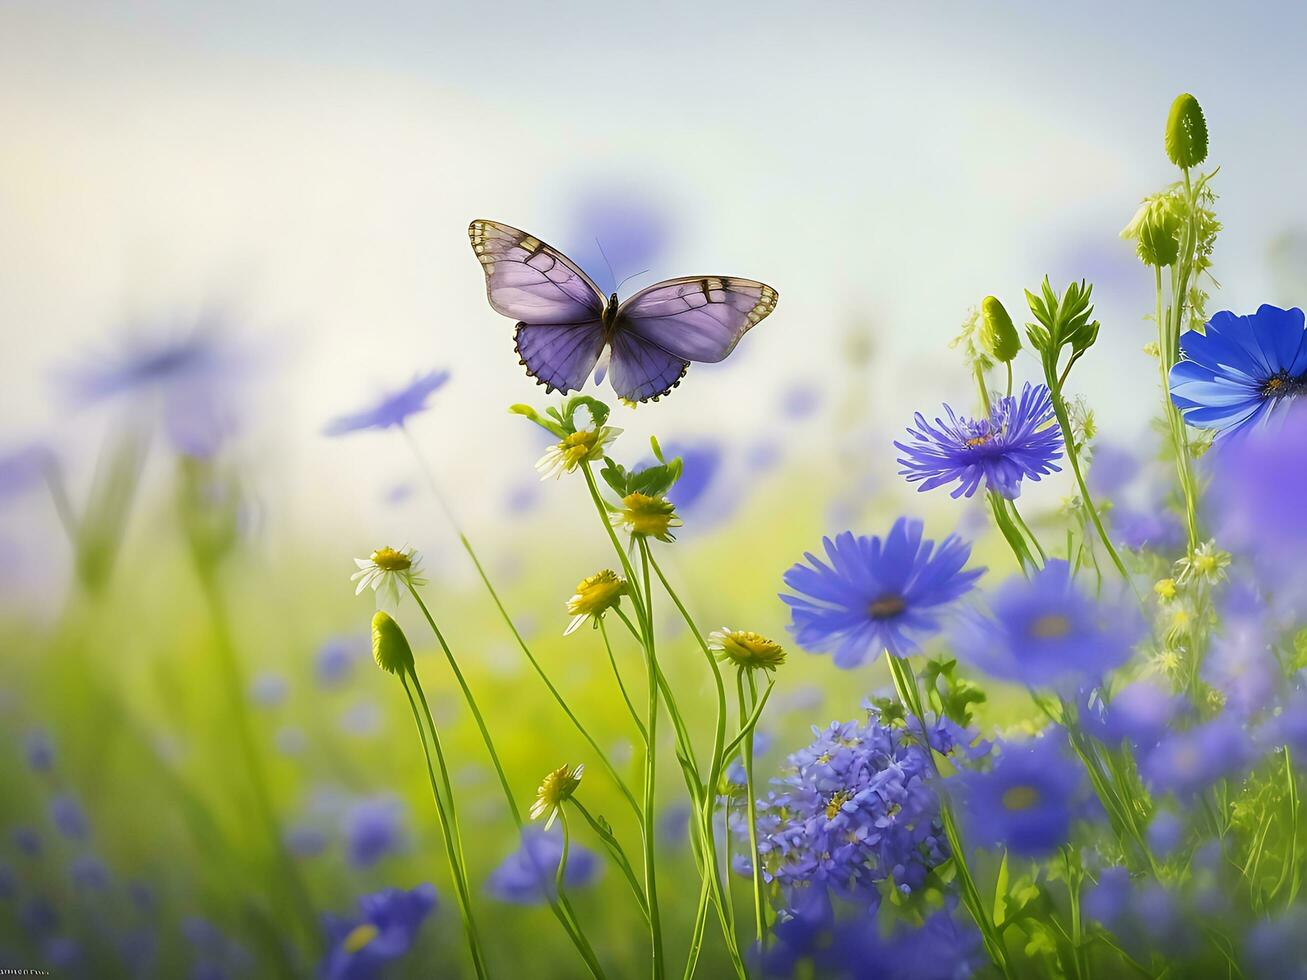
(1050, 626)
(1020, 798)
(886, 606)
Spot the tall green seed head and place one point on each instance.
(389, 645)
(997, 333)
(1186, 132)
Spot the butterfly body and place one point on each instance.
(567, 327)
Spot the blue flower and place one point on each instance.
(1019, 439)
(876, 595)
(857, 808)
(39, 751)
(1026, 801)
(1185, 763)
(22, 469)
(189, 379)
(1138, 713)
(373, 828)
(393, 409)
(268, 690)
(68, 817)
(526, 877)
(384, 929)
(1235, 372)
(1155, 529)
(335, 660)
(89, 873)
(1276, 949)
(1047, 632)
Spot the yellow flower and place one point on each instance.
(648, 517)
(573, 450)
(1165, 589)
(746, 649)
(556, 787)
(594, 597)
(386, 569)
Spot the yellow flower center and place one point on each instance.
(975, 441)
(597, 594)
(578, 447)
(649, 517)
(1050, 626)
(360, 936)
(1165, 589)
(390, 560)
(836, 803)
(558, 786)
(886, 606)
(1204, 563)
(748, 649)
(1020, 798)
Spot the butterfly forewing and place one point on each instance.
(699, 318)
(528, 280)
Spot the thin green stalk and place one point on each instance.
(648, 828)
(573, 928)
(1167, 354)
(517, 635)
(234, 679)
(905, 684)
(449, 830)
(618, 854)
(751, 804)
(1025, 529)
(1010, 533)
(617, 674)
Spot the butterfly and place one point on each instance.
(566, 324)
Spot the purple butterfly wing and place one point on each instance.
(640, 370)
(530, 281)
(560, 355)
(700, 318)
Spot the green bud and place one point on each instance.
(997, 334)
(389, 645)
(1155, 229)
(1186, 132)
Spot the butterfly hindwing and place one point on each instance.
(640, 370)
(560, 355)
(699, 318)
(530, 281)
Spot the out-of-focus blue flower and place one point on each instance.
(335, 660)
(23, 468)
(1139, 712)
(68, 817)
(1108, 899)
(1240, 664)
(38, 749)
(1019, 440)
(38, 917)
(27, 841)
(392, 410)
(1026, 801)
(701, 462)
(526, 877)
(800, 401)
(63, 953)
(189, 379)
(735, 771)
(268, 689)
(1185, 763)
(217, 956)
(89, 873)
(305, 841)
(856, 808)
(290, 740)
(617, 231)
(362, 719)
(384, 929)
(674, 823)
(1046, 632)
(876, 595)
(1155, 529)
(1276, 949)
(1165, 833)
(8, 882)
(1237, 370)
(941, 948)
(1112, 470)
(373, 828)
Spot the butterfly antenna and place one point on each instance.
(633, 275)
(611, 274)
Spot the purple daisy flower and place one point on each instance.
(1047, 632)
(526, 877)
(1027, 800)
(1234, 373)
(385, 929)
(1019, 439)
(392, 410)
(876, 594)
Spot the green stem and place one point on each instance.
(1167, 355)
(449, 830)
(618, 854)
(648, 829)
(751, 803)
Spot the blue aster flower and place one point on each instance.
(526, 877)
(1020, 439)
(1138, 713)
(876, 594)
(385, 929)
(38, 749)
(1276, 948)
(392, 410)
(1027, 801)
(1047, 632)
(856, 808)
(373, 828)
(1187, 762)
(68, 817)
(1238, 370)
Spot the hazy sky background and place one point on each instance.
(312, 167)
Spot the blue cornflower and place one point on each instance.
(336, 658)
(1047, 632)
(385, 928)
(68, 817)
(392, 410)
(1236, 371)
(876, 594)
(1185, 763)
(856, 808)
(526, 877)
(89, 873)
(1019, 439)
(1276, 948)
(190, 379)
(373, 828)
(1139, 713)
(38, 750)
(1026, 801)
